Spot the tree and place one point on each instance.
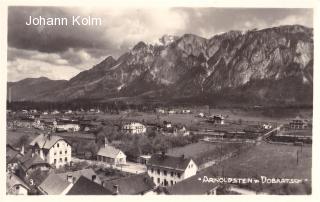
(23, 140)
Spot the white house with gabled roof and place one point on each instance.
(167, 170)
(111, 155)
(52, 149)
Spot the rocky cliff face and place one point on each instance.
(274, 64)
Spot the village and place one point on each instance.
(163, 151)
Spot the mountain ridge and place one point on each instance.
(192, 66)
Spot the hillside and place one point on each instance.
(268, 66)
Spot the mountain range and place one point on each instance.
(267, 66)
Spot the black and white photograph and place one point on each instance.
(137, 100)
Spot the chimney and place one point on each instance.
(116, 187)
(22, 149)
(69, 178)
(93, 178)
(49, 136)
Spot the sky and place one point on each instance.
(61, 52)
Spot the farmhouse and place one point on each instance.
(167, 170)
(134, 128)
(52, 149)
(111, 155)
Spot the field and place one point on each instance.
(14, 135)
(272, 160)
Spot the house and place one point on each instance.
(55, 112)
(55, 185)
(298, 124)
(16, 186)
(84, 186)
(70, 127)
(266, 126)
(216, 119)
(52, 149)
(201, 115)
(111, 155)
(195, 185)
(140, 184)
(134, 128)
(167, 124)
(167, 170)
(12, 157)
(182, 130)
(30, 162)
(186, 111)
(171, 112)
(68, 112)
(161, 111)
(143, 159)
(75, 175)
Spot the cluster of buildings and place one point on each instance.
(173, 111)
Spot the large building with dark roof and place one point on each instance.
(140, 184)
(167, 170)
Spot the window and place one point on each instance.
(158, 180)
(179, 175)
(60, 160)
(171, 182)
(66, 159)
(165, 173)
(58, 145)
(151, 170)
(60, 152)
(165, 182)
(55, 161)
(158, 171)
(171, 174)
(152, 179)
(66, 152)
(55, 153)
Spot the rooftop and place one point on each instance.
(87, 173)
(108, 151)
(84, 186)
(29, 160)
(135, 184)
(13, 180)
(46, 141)
(161, 160)
(54, 185)
(192, 185)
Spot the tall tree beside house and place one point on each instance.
(23, 141)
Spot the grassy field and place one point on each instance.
(272, 160)
(14, 135)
